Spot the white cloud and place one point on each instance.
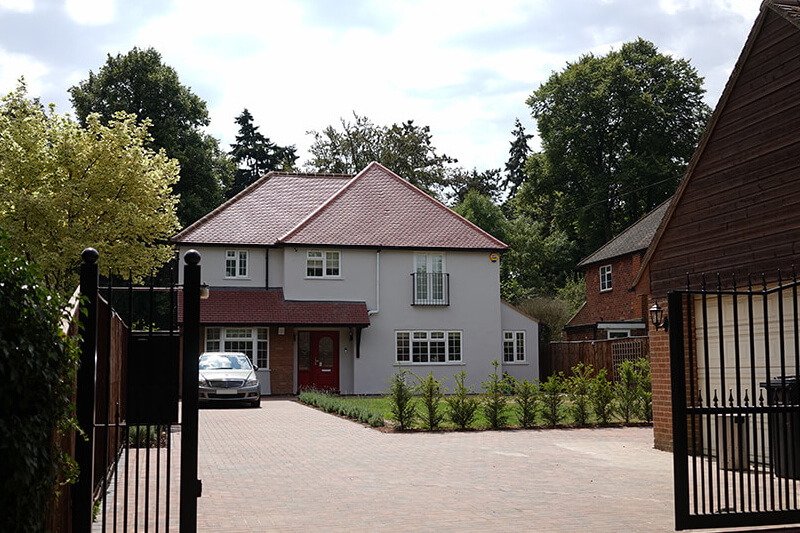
(20, 6)
(90, 12)
(15, 66)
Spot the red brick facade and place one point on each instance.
(662, 388)
(281, 361)
(617, 304)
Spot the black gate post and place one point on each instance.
(190, 485)
(82, 491)
(679, 431)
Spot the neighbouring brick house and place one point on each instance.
(612, 310)
(736, 212)
(337, 281)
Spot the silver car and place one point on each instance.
(228, 376)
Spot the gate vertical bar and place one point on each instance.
(679, 429)
(85, 397)
(190, 485)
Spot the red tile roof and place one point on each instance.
(260, 307)
(376, 208)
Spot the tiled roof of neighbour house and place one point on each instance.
(265, 210)
(379, 208)
(267, 307)
(634, 239)
(376, 208)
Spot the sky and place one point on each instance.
(463, 67)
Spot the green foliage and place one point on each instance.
(481, 211)
(645, 389)
(462, 405)
(254, 155)
(495, 402)
(431, 393)
(405, 149)
(139, 83)
(601, 397)
(527, 399)
(147, 436)
(66, 187)
(627, 391)
(552, 313)
(517, 156)
(360, 412)
(578, 387)
(401, 400)
(37, 372)
(551, 392)
(462, 182)
(573, 293)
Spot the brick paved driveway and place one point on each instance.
(287, 467)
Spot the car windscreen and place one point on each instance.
(224, 362)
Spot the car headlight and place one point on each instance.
(202, 382)
(252, 382)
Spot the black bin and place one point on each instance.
(784, 426)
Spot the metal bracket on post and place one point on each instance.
(82, 491)
(189, 490)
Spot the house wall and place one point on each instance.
(739, 213)
(356, 284)
(212, 266)
(513, 320)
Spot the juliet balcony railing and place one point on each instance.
(430, 289)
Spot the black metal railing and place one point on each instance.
(735, 358)
(431, 289)
(127, 405)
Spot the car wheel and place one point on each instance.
(256, 404)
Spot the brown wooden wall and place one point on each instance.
(740, 210)
(558, 357)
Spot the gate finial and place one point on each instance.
(89, 256)
(192, 257)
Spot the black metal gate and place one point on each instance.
(735, 362)
(127, 404)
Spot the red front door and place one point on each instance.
(318, 360)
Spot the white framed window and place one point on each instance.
(236, 264)
(253, 342)
(430, 280)
(428, 346)
(323, 264)
(605, 278)
(513, 346)
(619, 333)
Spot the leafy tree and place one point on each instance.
(140, 83)
(517, 156)
(481, 211)
(404, 148)
(255, 155)
(463, 182)
(66, 187)
(37, 370)
(617, 132)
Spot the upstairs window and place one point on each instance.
(321, 264)
(605, 278)
(236, 264)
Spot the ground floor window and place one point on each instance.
(513, 346)
(428, 346)
(253, 342)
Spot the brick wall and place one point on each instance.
(281, 361)
(662, 389)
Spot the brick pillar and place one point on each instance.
(281, 361)
(662, 389)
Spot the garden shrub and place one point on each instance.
(552, 394)
(578, 387)
(37, 372)
(495, 402)
(645, 389)
(601, 397)
(330, 403)
(527, 396)
(401, 400)
(431, 394)
(462, 406)
(627, 391)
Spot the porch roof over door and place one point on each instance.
(268, 307)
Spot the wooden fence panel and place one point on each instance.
(558, 357)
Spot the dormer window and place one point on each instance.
(236, 264)
(605, 278)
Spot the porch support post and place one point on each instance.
(190, 488)
(82, 491)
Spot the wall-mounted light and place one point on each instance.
(205, 291)
(657, 317)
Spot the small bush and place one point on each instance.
(601, 397)
(552, 394)
(462, 406)
(431, 394)
(645, 389)
(147, 437)
(333, 404)
(627, 390)
(578, 387)
(527, 396)
(495, 402)
(401, 400)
